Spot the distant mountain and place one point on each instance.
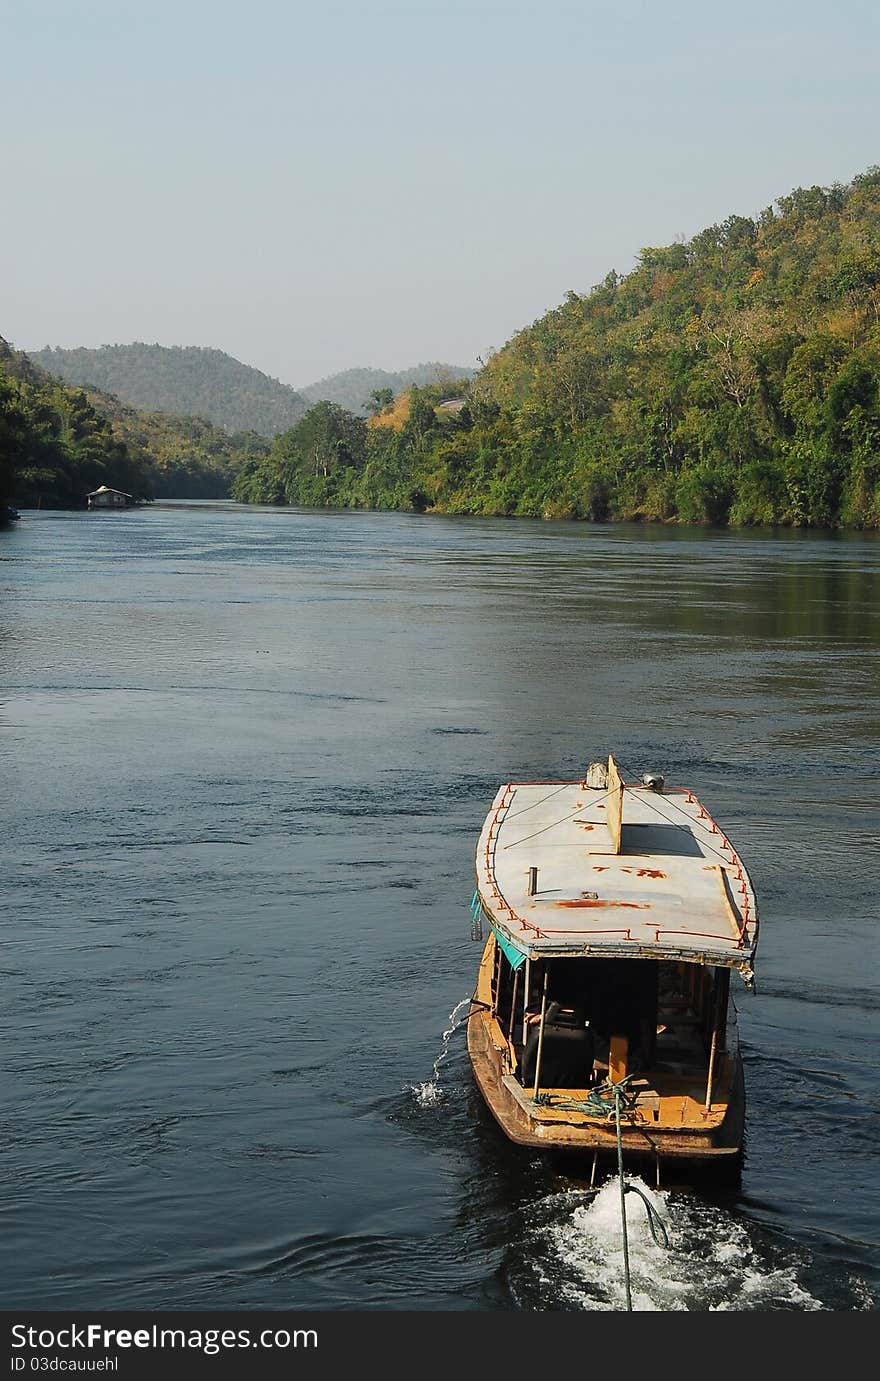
(352, 388)
(186, 381)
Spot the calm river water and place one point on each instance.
(245, 756)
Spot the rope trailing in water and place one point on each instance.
(655, 1222)
(626, 1278)
(607, 1101)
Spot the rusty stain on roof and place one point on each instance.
(672, 858)
(600, 901)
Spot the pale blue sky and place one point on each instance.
(317, 186)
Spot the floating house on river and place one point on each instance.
(109, 498)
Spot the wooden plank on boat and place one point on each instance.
(617, 1059)
(730, 909)
(614, 807)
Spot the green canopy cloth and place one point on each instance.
(515, 957)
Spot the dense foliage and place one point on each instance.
(334, 459)
(54, 445)
(734, 378)
(185, 457)
(183, 380)
(353, 388)
(58, 443)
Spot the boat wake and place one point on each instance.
(430, 1093)
(572, 1258)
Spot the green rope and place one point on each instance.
(607, 1101)
(655, 1222)
(617, 1097)
(599, 1102)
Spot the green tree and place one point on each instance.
(379, 401)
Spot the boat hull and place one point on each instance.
(521, 1121)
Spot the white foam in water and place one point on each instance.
(429, 1093)
(711, 1263)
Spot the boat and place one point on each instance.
(602, 1019)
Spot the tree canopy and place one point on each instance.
(733, 378)
(58, 443)
(55, 447)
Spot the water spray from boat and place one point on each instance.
(430, 1093)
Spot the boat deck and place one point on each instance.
(673, 1102)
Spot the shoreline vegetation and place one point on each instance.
(730, 380)
(58, 442)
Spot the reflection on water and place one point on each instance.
(246, 756)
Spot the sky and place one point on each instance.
(316, 187)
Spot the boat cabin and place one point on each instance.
(643, 1020)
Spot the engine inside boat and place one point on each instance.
(609, 1019)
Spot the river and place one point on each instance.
(245, 755)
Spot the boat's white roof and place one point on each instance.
(676, 889)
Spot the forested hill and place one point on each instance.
(184, 380)
(353, 388)
(57, 443)
(182, 457)
(55, 446)
(734, 378)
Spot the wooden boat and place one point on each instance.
(616, 913)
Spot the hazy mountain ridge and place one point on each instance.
(199, 381)
(57, 442)
(352, 388)
(185, 381)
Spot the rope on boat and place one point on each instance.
(570, 816)
(597, 1102)
(690, 819)
(654, 1220)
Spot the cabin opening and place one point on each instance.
(609, 1018)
